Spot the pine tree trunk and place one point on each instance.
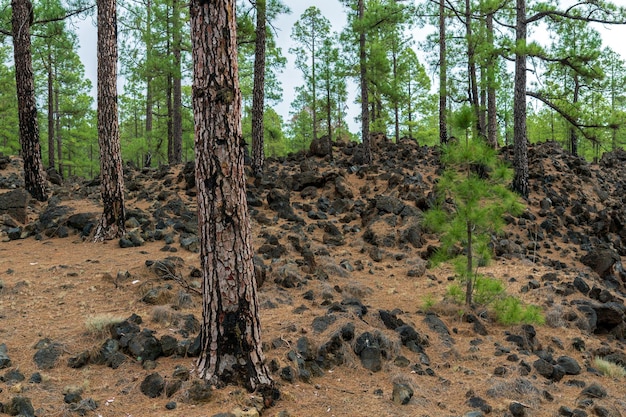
(396, 106)
(177, 119)
(573, 137)
(313, 81)
(329, 121)
(365, 118)
(111, 176)
(471, 69)
(149, 87)
(50, 80)
(520, 147)
(34, 177)
(58, 132)
(443, 76)
(230, 335)
(258, 93)
(492, 115)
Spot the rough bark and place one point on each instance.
(573, 137)
(365, 118)
(492, 111)
(34, 176)
(471, 69)
(443, 76)
(520, 147)
(329, 125)
(396, 106)
(111, 176)
(230, 335)
(258, 92)
(149, 88)
(177, 119)
(58, 134)
(50, 80)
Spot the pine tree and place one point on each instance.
(230, 336)
(27, 107)
(476, 182)
(111, 176)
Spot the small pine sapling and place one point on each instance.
(473, 196)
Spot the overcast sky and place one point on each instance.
(613, 36)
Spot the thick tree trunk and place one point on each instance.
(573, 137)
(111, 176)
(443, 76)
(492, 111)
(230, 336)
(329, 124)
(34, 177)
(51, 154)
(313, 80)
(365, 118)
(57, 132)
(149, 87)
(396, 106)
(520, 147)
(471, 70)
(177, 119)
(258, 92)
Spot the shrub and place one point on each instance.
(609, 369)
(510, 310)
(100, 324)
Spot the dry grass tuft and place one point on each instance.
(163, 315)
(100, 325)
(554, 317)
(519, 389)
(609, 369)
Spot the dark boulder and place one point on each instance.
(47, 355)
(601, 261)
(20, 406)
(5, 361)
(368, 348)
(153, 385)
(15, 204)
(145, 346)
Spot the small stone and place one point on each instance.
(517, 409)
(288, 374)
(47, 356)
(84, 406)
(402, 393)
(200, 392)
(594, 391)
(171, 405)
(153, 385)
(21, 406)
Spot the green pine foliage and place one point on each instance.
(510, 310)
(473, 198)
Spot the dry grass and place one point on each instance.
(609, 369)
(100, 325)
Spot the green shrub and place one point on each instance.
(511, 310)
(428, 301)
(487, 289)
(455, 293)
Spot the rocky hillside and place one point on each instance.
(355, 322)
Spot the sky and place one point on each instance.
(613, 36)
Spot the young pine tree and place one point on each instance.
(473, 197)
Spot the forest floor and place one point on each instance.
(52, 288)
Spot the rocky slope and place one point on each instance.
(355, 323)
